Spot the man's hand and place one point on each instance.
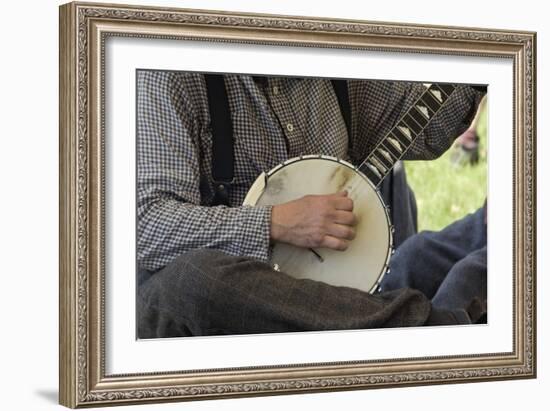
(315, 221)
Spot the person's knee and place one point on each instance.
(402, 268)
(473, 266)
(412, 248)
(174, 299)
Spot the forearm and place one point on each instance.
(169, 227)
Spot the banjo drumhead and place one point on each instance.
(363, 264)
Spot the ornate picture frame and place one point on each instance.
(84, 29)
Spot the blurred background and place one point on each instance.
(455, 184)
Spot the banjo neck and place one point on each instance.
(401, 137)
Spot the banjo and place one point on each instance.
(365, 262)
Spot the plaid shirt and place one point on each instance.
(273, 121)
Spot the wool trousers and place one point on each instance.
(207, 292)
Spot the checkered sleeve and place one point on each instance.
(171, 218)
(454, 117)
(379, 105)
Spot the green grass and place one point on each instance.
(446, 192)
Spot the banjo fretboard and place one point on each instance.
(398, 141)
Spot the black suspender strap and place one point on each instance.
(222, 131)
(341, 90)
(222, 138)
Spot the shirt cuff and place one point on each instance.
(256, 240)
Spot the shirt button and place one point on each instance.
(275, 90)
(290, 127)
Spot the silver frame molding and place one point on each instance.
(83, 30)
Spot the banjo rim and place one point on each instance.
(390, 249)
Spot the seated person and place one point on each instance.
(210, 259)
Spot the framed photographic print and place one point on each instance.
(259, 204)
